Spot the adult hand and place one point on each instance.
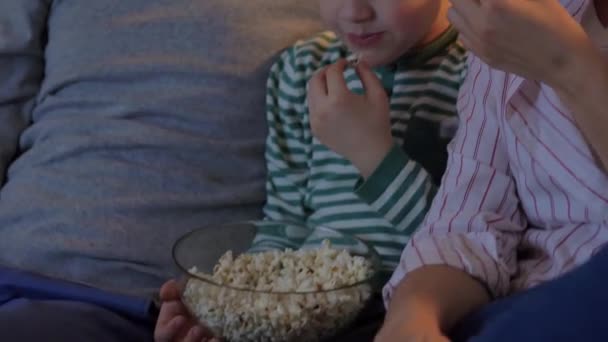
(355, 126)
(535, 39)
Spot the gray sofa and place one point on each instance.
(126, 123)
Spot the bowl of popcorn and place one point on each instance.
(275, 281)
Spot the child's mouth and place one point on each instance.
(365, 40)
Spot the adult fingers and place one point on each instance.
(169, 331)
(170, 291)
(169, 310)
(467, 35)
(470, 11)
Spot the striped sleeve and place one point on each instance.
(399, 189)
(475, 222)
(287, 149)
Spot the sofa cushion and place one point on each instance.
(149, 123)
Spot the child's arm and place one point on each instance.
(287, 153)
(475, 223)
(358, 127)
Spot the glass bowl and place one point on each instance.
(235, 313)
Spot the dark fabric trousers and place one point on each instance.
(36, 308)
(571, 308)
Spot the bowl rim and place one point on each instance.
(374, 259)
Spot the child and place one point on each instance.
(522, 211)
(351, 148)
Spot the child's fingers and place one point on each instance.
(371, 83)
(317, 85)
(170, 291)
(168, 332)
(316, 90)
(336, 85)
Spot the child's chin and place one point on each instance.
(371, 58)
(373, 61)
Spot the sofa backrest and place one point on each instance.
(149, 123)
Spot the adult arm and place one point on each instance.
(540, 40)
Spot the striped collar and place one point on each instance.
(420, 56)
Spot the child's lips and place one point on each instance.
(365, 40)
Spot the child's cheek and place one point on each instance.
(410, 17)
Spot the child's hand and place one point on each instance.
(355, 126)
(174, 322)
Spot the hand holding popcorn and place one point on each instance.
(355, 126)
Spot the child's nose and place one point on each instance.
(357, 11)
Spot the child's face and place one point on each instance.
(383, 30)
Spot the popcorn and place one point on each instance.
(274, 296)
(353, 59)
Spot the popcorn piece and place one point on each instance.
(353, 59)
